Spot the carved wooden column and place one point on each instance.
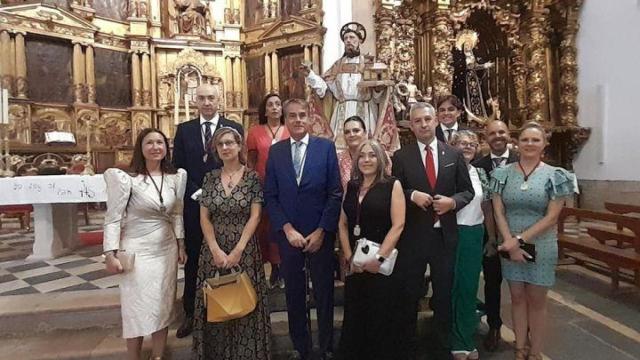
(228, 67)
(536, 78)
(146, 80)
(442, 71)
(267, 72)
(21, 67)
(569, 68)
(91, 75)
(315, 55)
(237, 83)
(5, 53)
(307, 53)
(78, 73)
(135, 79)
(275, 72)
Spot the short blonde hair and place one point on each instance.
(236, 136)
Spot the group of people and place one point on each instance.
(436, 201)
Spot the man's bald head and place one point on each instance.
(498, 136)
(207, 100)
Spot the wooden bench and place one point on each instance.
(595, 246)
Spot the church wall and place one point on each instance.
(337, 13)
(608, 99)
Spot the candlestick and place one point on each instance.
(186, 107)
(176, 108)
(4, 107)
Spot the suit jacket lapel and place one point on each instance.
(443, 158)
(309, 157)
(421, 169)
(288, 161)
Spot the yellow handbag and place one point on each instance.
(229, 297)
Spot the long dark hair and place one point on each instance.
(262, 110)
(138, 164)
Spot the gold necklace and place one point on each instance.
(230, 183)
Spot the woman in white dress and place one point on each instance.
(144, 219)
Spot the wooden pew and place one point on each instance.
(595, 245)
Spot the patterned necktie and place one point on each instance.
(430, 167)
(207, 137)
(297, 158)
(497, 161)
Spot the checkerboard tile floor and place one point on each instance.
(83, 270)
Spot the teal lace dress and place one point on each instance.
(523, 208)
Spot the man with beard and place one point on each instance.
(343, 78)
(498, 137)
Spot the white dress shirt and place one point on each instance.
(445, 130)
(423, 155)
(504, 156)
(214, 124)
(303, 149)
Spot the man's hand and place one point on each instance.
(423, 200)
(295, 238)
(314, 241)
(490, 248)
(443, 204)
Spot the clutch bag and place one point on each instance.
(127, 259)
(229, 297)
(366, 250)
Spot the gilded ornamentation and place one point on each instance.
(569, 67)
(21, 87)
(114, 129)
(536, 75)
(141, 120)
(442, 71)
(188, 17)
(86, 121)
(49, 119)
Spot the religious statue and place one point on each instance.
(348, 81)
(228, 17)
(236, 16)
(190, 16)
(470, 79)
(408, 91)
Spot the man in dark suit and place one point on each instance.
(450, 109)
(192, 152)
(437, 184)
(303, 196)
(498, 138)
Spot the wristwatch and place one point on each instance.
(380, 258)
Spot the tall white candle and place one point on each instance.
(4, 108)
(186, 107)
(176, 108)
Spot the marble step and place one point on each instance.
(75, 310)
(106, 343)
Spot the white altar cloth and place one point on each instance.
(54, 199)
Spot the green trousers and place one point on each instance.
(465, 287)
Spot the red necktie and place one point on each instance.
(430, 168)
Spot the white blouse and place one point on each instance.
(472, 214)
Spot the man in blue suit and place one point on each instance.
(303, 196)
(192, 151)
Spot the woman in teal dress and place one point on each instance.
(527, 199)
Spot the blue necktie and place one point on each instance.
(297, 158)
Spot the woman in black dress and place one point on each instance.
(373, 208)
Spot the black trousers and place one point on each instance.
(440, 256)
(492, 271)
(193, 244)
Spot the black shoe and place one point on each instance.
(186, 328)
(492, 340)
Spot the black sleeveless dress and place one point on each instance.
(371, 326)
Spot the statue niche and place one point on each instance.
(189, 17)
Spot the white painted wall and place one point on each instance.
(609, 89)
(336, 14)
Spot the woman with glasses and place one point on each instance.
(469, 252)
(230, 207)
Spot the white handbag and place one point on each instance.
(366, 250)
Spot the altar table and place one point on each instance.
(55, 211)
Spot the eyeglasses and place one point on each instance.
(465, 144)
(228, 143)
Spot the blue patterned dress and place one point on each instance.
(525, 208)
